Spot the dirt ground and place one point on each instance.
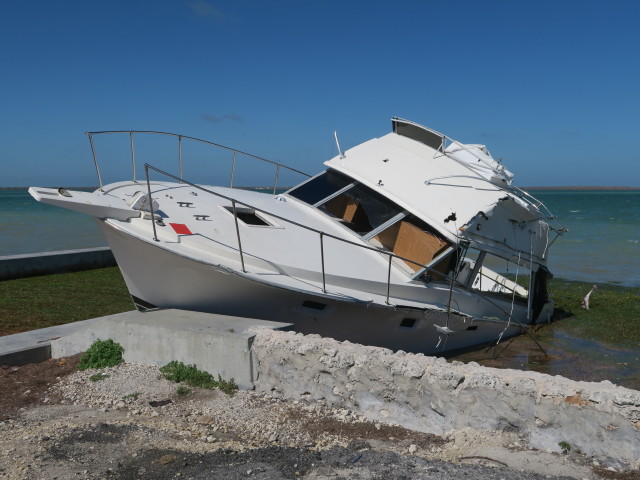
(26, 385)
(57, 424)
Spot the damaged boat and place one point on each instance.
(411, 241)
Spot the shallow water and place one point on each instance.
(568, 355)
(603, 241)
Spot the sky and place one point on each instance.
(551, 87)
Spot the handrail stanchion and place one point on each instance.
(133, 156)
(389, 280)
(324, 284)
(180, 155)
(275, 184)
(95, 160)
(153, 223)
(235, 216)
(233, 169)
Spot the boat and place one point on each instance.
(411, 241)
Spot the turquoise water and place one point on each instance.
(603, 241)
(27, 226)
(602, 245)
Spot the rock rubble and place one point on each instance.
(108, 429)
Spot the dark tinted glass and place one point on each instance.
(320, 187)
(416, 133)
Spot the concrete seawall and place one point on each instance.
(46, 263)
(430, 395)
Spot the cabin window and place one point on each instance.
(249, 216)
(320, 187)
(413, 239)
(361, 209)
(493, 275)
(408, 322)
(313, 305)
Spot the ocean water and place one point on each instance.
(603, 241)
(601, 246)
(28, 226)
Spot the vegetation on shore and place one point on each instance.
(101, 354)
(39, 302)
(179, 372)
(613, 316)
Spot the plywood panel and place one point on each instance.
(417, 245)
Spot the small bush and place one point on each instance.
(101, 354)
(564, 446)
(133, 396)
(179, 372)
(227, 386)
(182, 390)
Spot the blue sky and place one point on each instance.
(552, 87)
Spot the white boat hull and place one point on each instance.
(160, 278)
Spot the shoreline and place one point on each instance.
(566, 187)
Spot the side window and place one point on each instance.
(361, 209)
(320, 187)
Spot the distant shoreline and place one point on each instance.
(27, 188)
(580, 188)
(614, 188)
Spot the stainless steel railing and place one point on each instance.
(277, 166)
(448, 278)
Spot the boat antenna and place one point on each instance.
(335, 134)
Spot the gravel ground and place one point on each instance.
(133, 424)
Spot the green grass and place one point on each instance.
(189, 374)
(45, 301)
(613, 316)
(101, 354)
(38, 302)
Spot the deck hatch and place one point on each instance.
(250, 217)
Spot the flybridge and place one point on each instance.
(476, 157)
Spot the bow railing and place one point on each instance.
(278, 167)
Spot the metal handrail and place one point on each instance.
(322, 234)
(180, 137)
(527, 197)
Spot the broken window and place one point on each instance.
(494, 275)
(361, 209)
(414, 240)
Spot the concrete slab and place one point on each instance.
(35, 345)
(218, 344)
(47, 263)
